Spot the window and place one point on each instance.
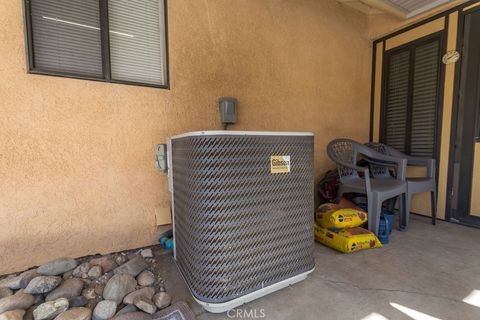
(122, 41)
(411, 98)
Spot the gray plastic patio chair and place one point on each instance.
(344, 152)
(414, 184)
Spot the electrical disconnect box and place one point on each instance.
(161, 157)
(228, 111)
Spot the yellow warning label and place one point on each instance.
(279, 164)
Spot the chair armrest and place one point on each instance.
(429, 163)
(411, 160)
(364, 170)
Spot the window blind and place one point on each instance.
(397, 100)
(411, 99)
(424, 103)
(137, 41)
(66, 36)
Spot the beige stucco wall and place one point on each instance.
(76, 157)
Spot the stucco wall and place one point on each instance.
(76, 158)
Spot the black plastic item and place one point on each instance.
(327, 187)
(167, 234)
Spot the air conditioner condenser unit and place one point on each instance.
(243, 205)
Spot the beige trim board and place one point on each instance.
(378, 91)
(421, 202)
(475, 197)
(471, 6)
(416, 33)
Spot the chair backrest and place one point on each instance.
(343, 151)
(385, 149)
(379, 171)
(377, 146)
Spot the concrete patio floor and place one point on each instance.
(426, 272)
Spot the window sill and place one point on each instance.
(80, 77)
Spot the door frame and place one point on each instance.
(436, 36)
(449, 214)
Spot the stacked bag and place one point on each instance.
(339, 228)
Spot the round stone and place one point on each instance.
(76, 314)
(133, 316)
(79, 301)
(95, 272)
(89, 293)
(13, 315)
(81, 271)
(133, 267)
(145, 292)
(162, 300)
(16, 301)
(146, 278)
(146, 253)
(145, 304)
(19, 282)
(50, 309)
(43, 284)
(5, 292)
(105, 310)
(68, 289)
(118, 287)
(58, 266)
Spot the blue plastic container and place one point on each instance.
(163, 240)
(169, 244)
(390, 216)
(383, 230)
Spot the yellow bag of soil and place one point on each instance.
(330, 215)
(347, 240)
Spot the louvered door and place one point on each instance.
(411, 98)
(465, 183)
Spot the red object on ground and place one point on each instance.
(345, 203)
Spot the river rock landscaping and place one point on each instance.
(120, 286)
